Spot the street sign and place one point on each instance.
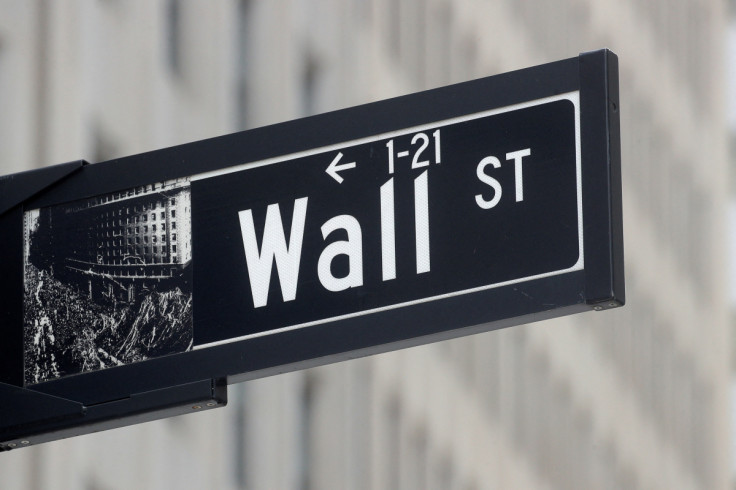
(415, 215)
(139, 288)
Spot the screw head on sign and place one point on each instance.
(211, 404)
(25, 442)
(196, 407)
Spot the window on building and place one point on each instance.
(104, 147)
(392, 449)
(239, 434)
(309, 85)
(393, 23)
(445, 473)
(305, 430)
(442, 55)
(242, 53)
(174, 36)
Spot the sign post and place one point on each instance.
(139, 288)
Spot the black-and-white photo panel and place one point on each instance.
(107, 281)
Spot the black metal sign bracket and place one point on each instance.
(32, 417)
(17, 188)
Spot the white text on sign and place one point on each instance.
(286, 254)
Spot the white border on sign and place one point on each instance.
(573, 97)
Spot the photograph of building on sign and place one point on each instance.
(107, 281)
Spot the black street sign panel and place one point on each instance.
(139, 288)
(415, 215)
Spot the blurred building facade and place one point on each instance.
(633, 398)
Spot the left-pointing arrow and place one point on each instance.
(335, 167)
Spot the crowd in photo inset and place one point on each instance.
(65, 332)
